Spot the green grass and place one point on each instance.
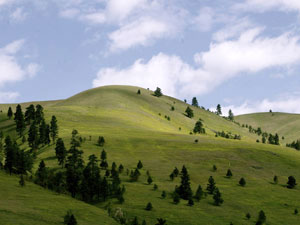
(285, 124)
(134, 131)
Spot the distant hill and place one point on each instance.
(285, 124)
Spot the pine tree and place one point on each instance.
(101, 141)
(211, 186)
(135, 221)
(39, 114)
(219, 110)
(291, 182)
(23, 161)
(275, 179)
(242, 182)
(176, 172)
(229, 173)
(261, 218)
(176, 198)
(199, 127)
(296, 211)
(10, 155)
(149, 180)
(214, 168)
(195, 102)
(139, 92)
(172, 176)
(155, 187)
(60, 152)
(19, 120)
(248, 216)
(161, 221)
(276, 139)
(30, 114)
(33, 137)
(189, 112)
(53, 128)
(199, 193)
(9, 113)
(184, 190)
(22, 181)
(158, 92)
(149, 206)
(217, 197)
(70, 219)
(230, 115)
(140, 165)
(164, 194)
(42, 174)
(42, 132)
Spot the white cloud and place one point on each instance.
(8, 97)
(264, 5)
(69, 13)
(94, 18)
(249, 53)
(18, 15)
(140, 32)
(288, 104)
(10, 69)
(204, 20)
(6, 2)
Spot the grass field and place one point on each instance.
(134, 130)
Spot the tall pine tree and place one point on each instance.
(19, 120)
(53, 128)
(184, 190)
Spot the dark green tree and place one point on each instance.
(275, 179)
(139, 92)
(189, 112)
(60, 152)
(248, 216)
(219, 110)
(217, 197)
(229, 173)
(164, 194)
(276, 139)
(184, 190)
(33, 137)
(176, 198)
(70, 219)
(199, 127)
(140, 165)
(211, 186)
(161, 221)
(149, 180)
(9, 113)
(19, 120)
(296, 211)
(10, 155)
(101, 141)
(195, 102)
(30, 114)
(53, 128)
(199, 193)
(291, 182)
(39, 114)
(261, 218)
(42, 174)
(43, 132)
(158, 92)
(230, 115)
(24, 160)
(176, 172)
(149, 206)
(134, 175)
(242, 182)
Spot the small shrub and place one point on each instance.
(149, 206)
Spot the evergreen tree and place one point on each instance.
(164, 194)
(211, 186)
(184, 189)
(275, 179)
(248, 216)
(30, 114)
(190, 202)
(276, 139)
(242, 182)
(149, 180)
(230, 115)
(135, 221)
(24, 160)
(229, 173)
(42, 132)
(9, 113)
(217, 197)
(42, 174)
(134, 176)
(121, 168)
(172, 176)
(176, 198)
(39, 114)
(195, 102)
(149, 206)
(291, 182)
(161, 221)
(189, 112)
(101, 141)
(199, 193)
(296, 211)
(10, 155)
(158, 92)
(70, 219)
(219, 110)
(140, 165)
(33, 137)
(53, 128)
(139, 92)
(75, 139)
(214, 168)
(22, 181)
(155, 187)
(19, 120)
(199, 128)
(176, 172)
(60, 152)
(261, 218)
(103, 155)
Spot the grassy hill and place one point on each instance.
(285, 124)
(135, 128)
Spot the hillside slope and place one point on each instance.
(285, 124)
(134, 130)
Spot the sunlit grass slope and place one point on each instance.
(134, 130)
(285, 124)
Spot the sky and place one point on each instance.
(242, 54)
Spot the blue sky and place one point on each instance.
(243, 54)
